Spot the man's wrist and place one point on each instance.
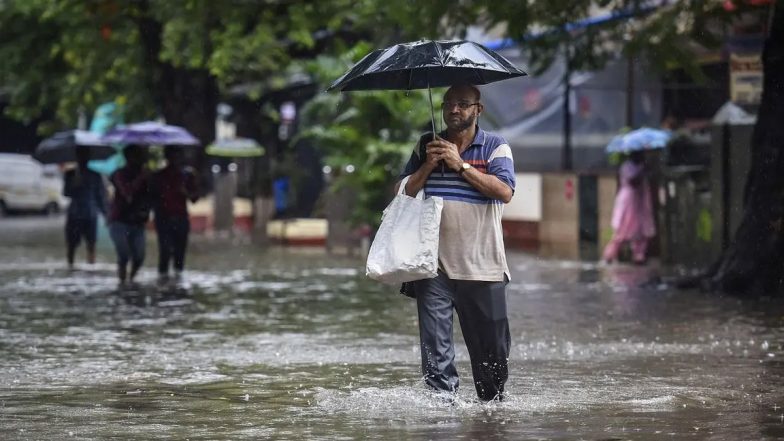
(463, 167)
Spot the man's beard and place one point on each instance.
(465, 124)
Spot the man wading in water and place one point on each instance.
(476, 180)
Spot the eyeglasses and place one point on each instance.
(462, 105)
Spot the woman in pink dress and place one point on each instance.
(632, 218)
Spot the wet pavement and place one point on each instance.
(295, 344)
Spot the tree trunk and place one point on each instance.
(189, 99)
(754, 261)
(184, 97)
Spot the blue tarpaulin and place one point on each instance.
(624, 14)
(106, 116)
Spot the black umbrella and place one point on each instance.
(61, 147)
(424, 64)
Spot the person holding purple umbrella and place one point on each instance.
(173, 186)
(129, 212)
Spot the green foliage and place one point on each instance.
(668, 37)
(68, 55)
(704, 226)
(375, 132)
(62, 56)
(615, 158)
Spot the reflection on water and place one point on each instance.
(298, 345)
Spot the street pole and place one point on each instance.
(629, 91)
(566, 158)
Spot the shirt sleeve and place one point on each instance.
(417, 156)
(412, 165)
(501, 165)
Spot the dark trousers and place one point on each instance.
(128, 242)
(172, 242)
(481, 308)
(78, 228)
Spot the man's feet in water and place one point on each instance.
(443, 397)
(501, 397)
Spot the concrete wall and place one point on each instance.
(524, 213)
(544, 214)
(225, 191)
(559, 228)
(526, 204)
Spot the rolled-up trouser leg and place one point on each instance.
(481, 307)
(434, 306)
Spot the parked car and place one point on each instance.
(28, 185)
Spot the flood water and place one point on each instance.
(295, 344)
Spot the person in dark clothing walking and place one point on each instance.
(88, 199)
(473, 171)
(174, 185)
(129, 212)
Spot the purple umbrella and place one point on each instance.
(150, 133)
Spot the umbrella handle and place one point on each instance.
(433, 115)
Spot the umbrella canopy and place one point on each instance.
(424, 64)
(61, 147)
(235, 148)
(150, 133)
(644, 138)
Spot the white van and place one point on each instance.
(27, 185)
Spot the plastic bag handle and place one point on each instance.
(402, 190)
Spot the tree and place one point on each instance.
(161, 58)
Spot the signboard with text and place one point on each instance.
(745, 78)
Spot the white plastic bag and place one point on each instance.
(406, 245)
